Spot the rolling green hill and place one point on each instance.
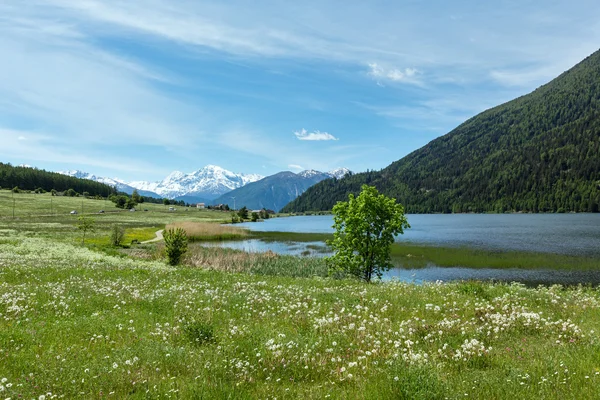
(27, 178)
(537, 153)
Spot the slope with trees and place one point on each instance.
(537, 153)
(27, 178)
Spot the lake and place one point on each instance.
(573, 234)
(576, 234)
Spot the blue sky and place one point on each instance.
(136, 89)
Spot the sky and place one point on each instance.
(137, 89)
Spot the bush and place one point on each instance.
(175, 245)
(254, 217)
(116, 235)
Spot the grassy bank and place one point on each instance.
(77, 323)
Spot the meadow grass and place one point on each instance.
(77, 323)
(98, 322)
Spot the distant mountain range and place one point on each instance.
(537, 153)
(207, 183)
(202, 185)
(211, 183)
(121, 185)
(275, 191)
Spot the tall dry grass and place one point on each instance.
(208, 231)
(267, 263)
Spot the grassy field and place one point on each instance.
(96, 322)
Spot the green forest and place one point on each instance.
(26, 178)
(537, 153)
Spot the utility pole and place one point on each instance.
(13, 197)
(51, 196)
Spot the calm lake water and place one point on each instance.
(574, 234)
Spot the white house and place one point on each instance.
(200, 205)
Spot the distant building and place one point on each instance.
(200, 205)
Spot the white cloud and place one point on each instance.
(295, 166)
(316, 135)
(379, 73)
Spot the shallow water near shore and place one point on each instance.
(563, 234)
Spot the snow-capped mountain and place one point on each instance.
(201, 185)
(120, 184)
(208, 183)
(275, 191)
(336, 173)
(339, 173)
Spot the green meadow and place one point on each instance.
(94, 321)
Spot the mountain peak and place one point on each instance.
(339, 172)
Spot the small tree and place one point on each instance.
(175, 245)
(364, 231)
(16, 189)
(120, 201)
(85, 225)
(71, 193)
(117, 233)
(53, 192)
(135, 196)
(166, 202)
(243, 213)
(254, 217)
(130, 203)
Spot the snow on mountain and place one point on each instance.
(339, 172)
(209, 182)
(309, 173)
(120, 184)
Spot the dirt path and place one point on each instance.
(159, 236)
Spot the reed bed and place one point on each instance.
(198, 231)
(266, 263)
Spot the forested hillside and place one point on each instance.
(26, 178)
(537, 153)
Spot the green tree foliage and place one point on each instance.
(175, 245)
(166, 202)
(254, 217)
(85, 225)
(31, 178)
(135, 196)
(365, 227)
(117, 233)
(130, 203)
(537, 153)
(71, 192)
(16, 189)
(243, 213)
(264, 214)
(120, 201)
